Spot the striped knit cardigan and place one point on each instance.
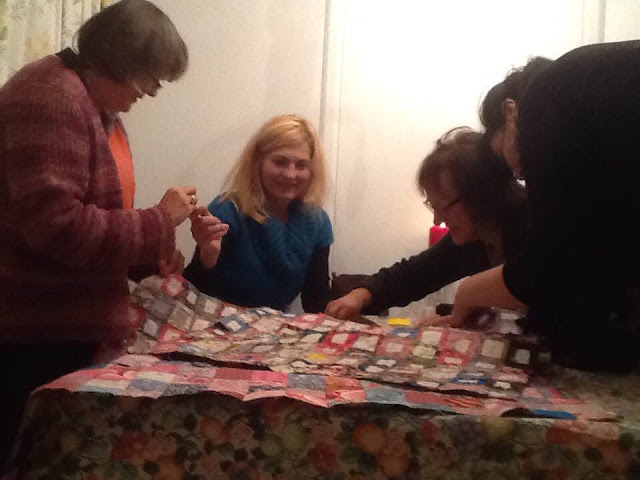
(65, 241)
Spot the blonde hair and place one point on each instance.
(244, 186)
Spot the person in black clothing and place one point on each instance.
(481, 202)
(577, 144)
(499, 111)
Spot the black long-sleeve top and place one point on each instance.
(415, 277)
(578, 139)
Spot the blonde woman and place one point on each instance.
(266, 238)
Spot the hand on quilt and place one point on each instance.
(173, 264)
(350, 305)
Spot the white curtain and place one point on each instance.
(31, 29)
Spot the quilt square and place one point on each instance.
(170, 334)
(234, 387)
(104, 386)
(431, 336)
(307, 321)
(234, 323)
(307, 382)
(174, 285)
(181, 317)
(208, 307)
(367, 343)
(146, 385)
(395, 347)
(159, 309)
(458, 347)
(337, 342)
(267, 324)
(494, 348)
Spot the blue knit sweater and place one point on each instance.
(262, 264)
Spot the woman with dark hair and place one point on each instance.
(68, 230)
(499, 111)
(577, 140)
(481, 202)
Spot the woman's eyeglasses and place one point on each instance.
(141, 93)
(440, 208)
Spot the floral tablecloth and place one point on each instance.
(90, 434)
(275, 416)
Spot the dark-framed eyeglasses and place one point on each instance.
(141, 93)
(440, 208)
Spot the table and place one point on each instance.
(151, 417)
(200, 435)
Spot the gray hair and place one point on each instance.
(132, 38)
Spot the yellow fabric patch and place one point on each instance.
(399, 321)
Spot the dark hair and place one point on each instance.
(483, 181)
(131, 38)
(514, 84)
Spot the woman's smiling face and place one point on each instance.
(286, 174)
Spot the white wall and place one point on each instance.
(249, 60)
(621, 20)
(410, 71)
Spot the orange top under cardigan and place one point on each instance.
(121, 152)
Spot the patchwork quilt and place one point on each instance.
(174, 317)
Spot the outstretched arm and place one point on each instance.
(485, 289)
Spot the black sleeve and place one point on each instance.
(413, 278)
(198, 274)
(315, 291)
(578, 141)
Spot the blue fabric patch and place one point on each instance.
(554, 414)
(405, 332)
(307, 382)
(98, 389)
(146, 385)
(385, 395)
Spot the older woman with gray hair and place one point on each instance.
(68, 231)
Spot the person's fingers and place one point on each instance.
(209, 221)
(208, 233)
(188, 197)
(163, 268)
(455, 321)
(178, 202)
(172, 265)
(199, 212)
(337, 309)
(342, 313)
(436, 320)
(330, 309)
(218, 230)
(179, 268)
(432, 321)
(177, 262)
(347, 312)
